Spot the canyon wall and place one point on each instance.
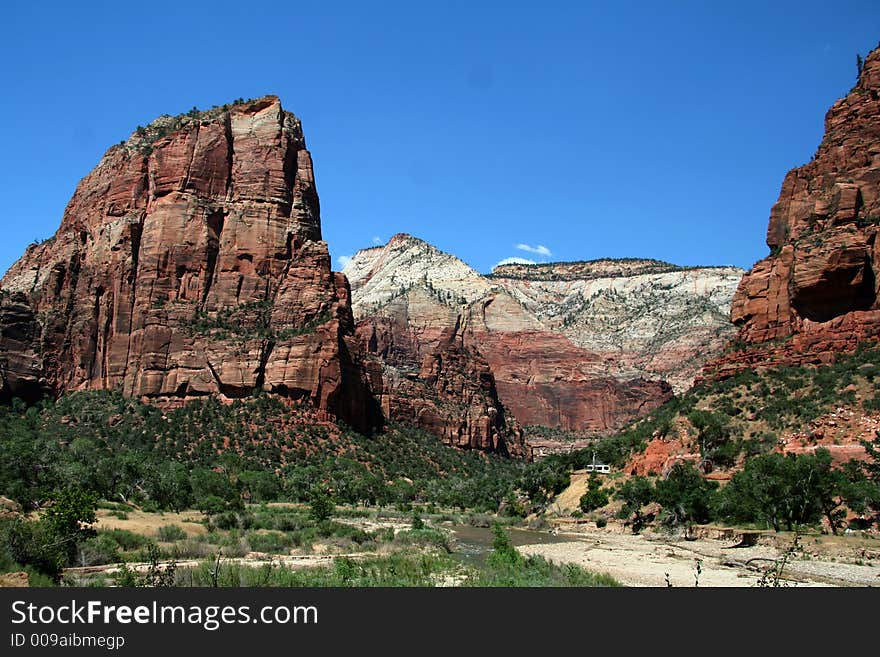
(817, 294)
(189, 262)
(585, 347)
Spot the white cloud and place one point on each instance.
(539, 250)
(514, 260)
(343, 261)
(377, 240)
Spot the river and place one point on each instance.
(473, 544)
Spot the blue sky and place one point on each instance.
(576, 129)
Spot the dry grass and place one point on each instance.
(147, 524)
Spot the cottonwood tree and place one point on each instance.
(686, 497)
(792, 490)
(636, 492)
(595, 497)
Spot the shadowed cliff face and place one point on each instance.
(449, 391)
(816, 295)
(189, 263)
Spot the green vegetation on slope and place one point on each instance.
(215, 456)
(783, 492)
(738, 422)
(218, 457)
(744, 414)
(248, 321)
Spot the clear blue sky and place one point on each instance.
(650, 129)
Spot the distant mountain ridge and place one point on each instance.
(580, 346)
(585, 269)
(645, 319)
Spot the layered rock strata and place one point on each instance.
(449, 390)
(642, 318)
(579, 346)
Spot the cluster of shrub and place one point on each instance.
(772, 490)
(215, 457)
(60, 536)
(248, 321)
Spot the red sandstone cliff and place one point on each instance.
(189, 263)
(816, 295)
(447, 388)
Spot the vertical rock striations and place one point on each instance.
(816, 294)
(446, 388)
(189, 263)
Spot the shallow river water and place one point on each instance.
(473, 544)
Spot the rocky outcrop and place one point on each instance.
(579, 346)
(816, 295)
(189, 263)
(660, 456)
(9, 508)
(547, 380)
(21, 368)
(449, 390)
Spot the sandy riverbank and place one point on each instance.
(648, 559)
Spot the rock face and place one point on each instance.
(816, 294)
(189, 263)
(643, 318)
(554, 336)
(449, 391)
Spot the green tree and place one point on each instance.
(417, 522)
(870, 488)
(68, 518)
(50, 544)
(595, 497)
(29, 544)
(686, 497)
(28, 464)
(169, 486)
(635, 493)
(543, 479)
(831, 489)
(504, 555)
(787, 491)
(714, 436)
(260, 486)
(872, 466)
(211, 505)
(207, 484)
(321, 506)
(759, 492)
